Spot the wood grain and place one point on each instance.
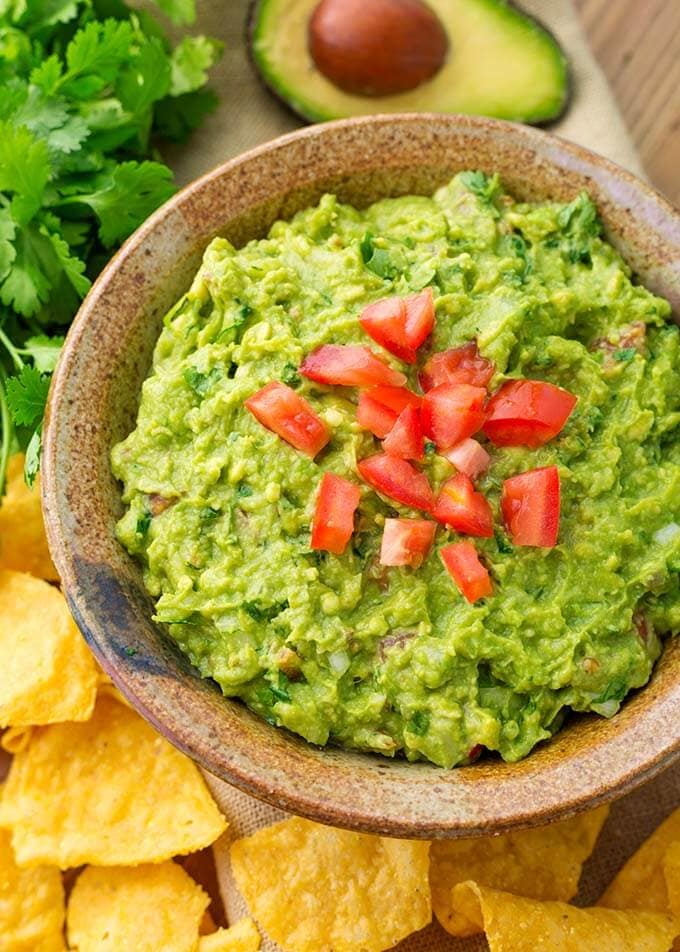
(638, 45)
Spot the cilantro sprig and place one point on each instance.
(87, 88)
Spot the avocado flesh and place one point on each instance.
(501, 63)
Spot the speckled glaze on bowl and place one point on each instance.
(93, 404)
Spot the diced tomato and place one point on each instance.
(451, 412)
(400, 325)
(287, 414)
(527, 413)
(405, 439)
(350, 366)
(459, 506)
(463, 565)
(333, 523)
(385, 322)
(459, 365)
(374, 416)
(396, 398)
(469, 457)
(530, 504)
(379, 408)
(406, 541)
(474, 753)
(398, 480)
(419, 317)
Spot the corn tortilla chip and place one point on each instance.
(143, 908)
(641, 884)
(241, 937)
(516, 924)
(15, 739)
(31, 905)
(314, 888)
(48, 672)
(110, 792)
(23, 545)
(543, 863)
(671, 868)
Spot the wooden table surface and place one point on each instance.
(637, 42)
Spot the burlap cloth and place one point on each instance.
(247, 116)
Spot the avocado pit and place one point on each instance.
(376, 47)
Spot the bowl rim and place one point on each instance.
(575, 793)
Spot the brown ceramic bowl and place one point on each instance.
(93, 404)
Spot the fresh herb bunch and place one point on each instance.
(86, 88)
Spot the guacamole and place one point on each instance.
(342, 649)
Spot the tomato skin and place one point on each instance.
(400, 325)
(286, 413)
(396, 398)
(349, 366)
(397, 479)
(385, 322)
(459, 365)
(405, 439)
(530, 503)
(527, 413)
(459, 506)
(451, 412)
(333, 522)
(406, 541)
(379, 408)
(374, 416)
(463, 565)
(469, 457)
(419, 317)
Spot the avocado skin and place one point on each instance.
(298, 108)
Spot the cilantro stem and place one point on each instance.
(7, 429)
(11, 350)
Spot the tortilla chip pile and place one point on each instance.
(93, 787)
(90, 783)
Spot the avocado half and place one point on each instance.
(500, 63)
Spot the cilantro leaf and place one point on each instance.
(176, 117)
(33, 453)
(48, 118)
(94, 57)
(146, 79)
(84, 85)
(73, 268)
(37, 16)
(46, 76)
(190, 61)
(201, 383)
(179, 11)
(24, 169)
(45, 351)
(580, 223)
(376, 260)
(127, 195)
(27, 396)
(26, 286)
(486, 189)
(7, 250)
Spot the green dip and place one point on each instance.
(341, 649)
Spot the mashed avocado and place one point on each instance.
(341, 649)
